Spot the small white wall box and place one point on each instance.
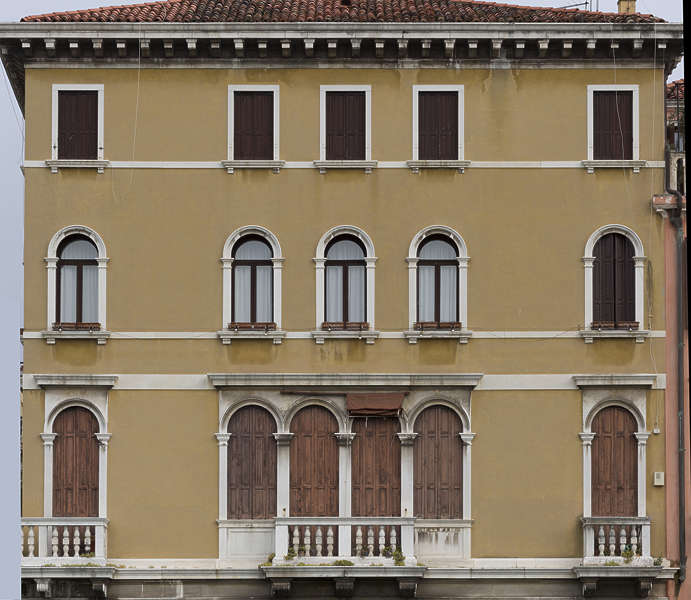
(659, 478)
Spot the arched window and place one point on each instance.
(77, 283)
(252, 301)
(437, 284)
(614, 293)
(345, 289)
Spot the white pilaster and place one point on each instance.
(48, 439)
(227, 295)
(103, 439)
(407, 440)
(587, 441)
(277, 272)
(283, 473)
(51, 268)
(467, 440)
(642, 438)
(370, 262)
(345, 441)
(639, 279)
(412, 288)
(102, 277)
(222, 440)
(319, 299)
(588, 273)
(463, 291)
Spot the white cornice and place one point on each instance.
(615, 380)
(69, 380)
(221, 380)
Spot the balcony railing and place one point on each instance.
(63, 540)
(618, 539)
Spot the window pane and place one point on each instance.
(253, 250)
(425, 293)
(79, 249)
(356, 293)
(68, 294)
(437, 250)
(241, 293)
(334, 293)
(264, 287)
(345, 250)
(448, 292)
(90, 294)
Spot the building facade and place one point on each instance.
(344, 298)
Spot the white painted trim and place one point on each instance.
(639, 267)
(323, 89)
(231, 121)
(437, 88)
(635, 114)
(77, 87)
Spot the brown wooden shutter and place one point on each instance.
(252, 464)
(75, 464)
(603, 280)
(376, 468)
(614, 289)
(624, 281)
(438, 126)
(614, 464)
(612, 125)
(253, 128)
(314, 464)
(345, 125)
(77, 125)
(438, 464)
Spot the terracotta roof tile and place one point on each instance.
(358, 11)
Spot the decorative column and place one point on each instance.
(463, 291)
(642, 437)
(345, 442)
(100, 533)
(407, 531)
(588, 531)
(226, 295)
(43, 533)
(282, 490)
(222, 440)
(412, 291)
(319, 300)
(588, 270)
(370, 261)
(102, 299)
(467, 440)
(277, 273)
(639, 287)
(51, 268)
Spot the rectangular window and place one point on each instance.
(438, 122)
(77, 122)
(613, 122)
(345, 127)
(253, 122)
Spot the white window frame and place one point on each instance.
(275, 89)
(77, 87)
(416, 120)
(323, 89)
(635, 116)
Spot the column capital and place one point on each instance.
(412, 261)
(370, 261)
(319, 262)
(51, 262)
(586, 437)
(227, 262)
(344, 439)
(467, 437)
(407, 439)
(642, 437)
(222, 438)
(48, 438)
(284, 438)
(588, 260)
(103, 439)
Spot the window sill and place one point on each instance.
(274, 165)
(591, 165)
(462, 335)
(55, 165)
(324, 165)
(589, 335)
(228, 335)
(416, 165)
(99, 335)
(369, 335)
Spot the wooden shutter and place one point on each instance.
(603, 280)
(252, 464)
(75, 464)
(438, 464)
(438, 126)
(612, 125)
(614, 289)
(614, 464)
(345, 125)
(314, 464)
(77, 125)
(253, 128)
(624, 280)
(376, 468)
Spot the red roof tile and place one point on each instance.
(354, 11)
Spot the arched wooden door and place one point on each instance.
(614, 464)
(252, 464)
(314, 464)
(438, 465)
(376, 468)
(75, 464)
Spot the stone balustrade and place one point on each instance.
(616, 539)
(63, 539)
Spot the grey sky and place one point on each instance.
(11, 198)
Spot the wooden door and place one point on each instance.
(376, 468)
(438, 465)
(252, 464)
(314, 464)
(75, 464)
(614, 464)
(77, 125)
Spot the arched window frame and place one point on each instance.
(51, 261)
(320, 334)
(227, 335)
(639, 259)
(455, 238)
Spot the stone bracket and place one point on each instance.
(280, 588)
(344, 587)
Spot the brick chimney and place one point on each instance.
(626, 7)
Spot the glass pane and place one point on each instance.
(264, 287)
(90, 294)
(253, 250)
(241, 293)
(334, 293)
(79, 249)
(356, 293)
(345, 250)
(425, 293)
(438, 250)
(68, 294)
(448, 292)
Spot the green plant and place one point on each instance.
(386, 551)
(343, 563)
(658, 561)
(269, 560)
(291, 554)
(301, 564)
(87, 555)
(301, 551)
(611, 563)
(49, 565)
(398, 558)
(627, 554)
(114, 566)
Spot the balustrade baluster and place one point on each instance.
(612, 541)
(31, 541)
(54, 542)
(392, 538)
(382, 540)
(358, 541)
(87, 539)
(76, 541)
(330, 541)
(318, 541)
(65, 542)
(296, 539)
(308, 540)
(622, 539)
(634, 540)
(601, 541)
(370, 541)
(21, 533)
